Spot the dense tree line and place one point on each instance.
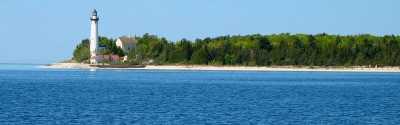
(265, 50)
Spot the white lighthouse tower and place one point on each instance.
(93, 37)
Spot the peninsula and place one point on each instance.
(275, 52)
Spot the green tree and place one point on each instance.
(82, 51)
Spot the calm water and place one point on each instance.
(43, 96)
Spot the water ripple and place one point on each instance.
(186, 97)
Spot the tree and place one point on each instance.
(82, 51)
(200, 56)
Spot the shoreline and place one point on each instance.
(234, 68)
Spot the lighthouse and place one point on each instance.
(93, 37)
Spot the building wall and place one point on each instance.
(119, 44)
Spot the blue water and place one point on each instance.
(43, 96)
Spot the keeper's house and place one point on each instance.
(126, 44)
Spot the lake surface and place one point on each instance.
(30, 95)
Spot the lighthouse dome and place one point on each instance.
(94, 13)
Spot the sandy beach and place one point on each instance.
(233, 68)
(68, 66)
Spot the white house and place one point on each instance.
(126, 44)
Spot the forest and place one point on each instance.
(259, 50)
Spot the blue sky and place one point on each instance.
(46, 31)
